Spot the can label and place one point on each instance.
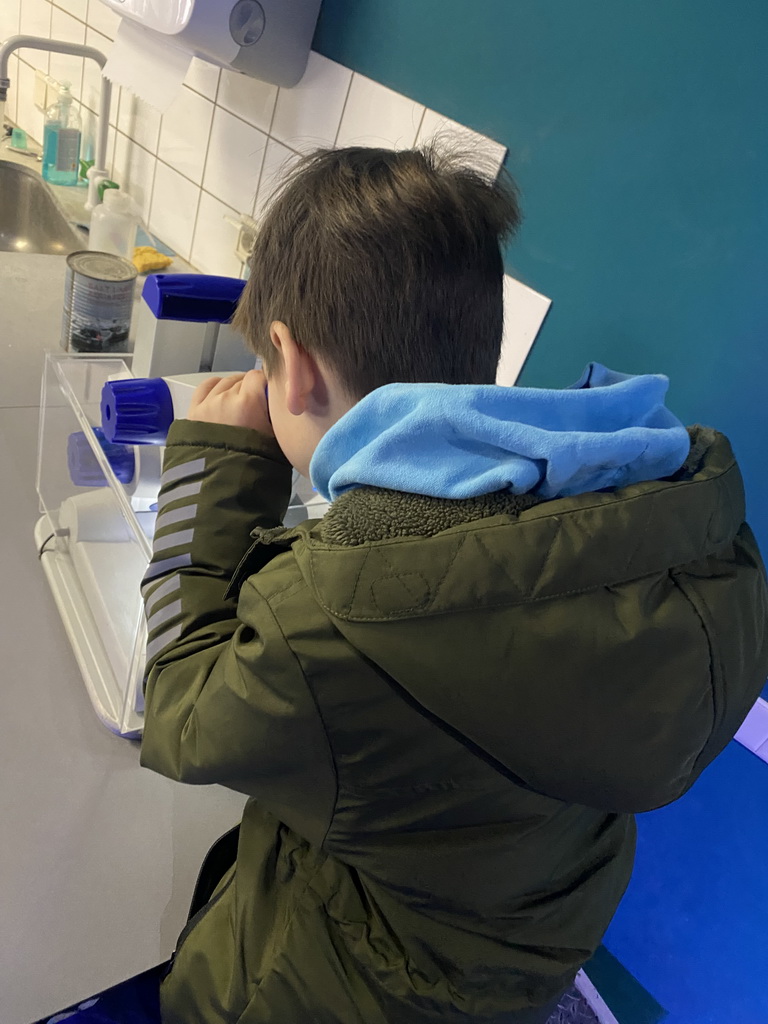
(97, 309)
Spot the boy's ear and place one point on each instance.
(298, 375)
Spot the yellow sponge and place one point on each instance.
(146, 259)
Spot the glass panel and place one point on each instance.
(101, 551)
(99, 505)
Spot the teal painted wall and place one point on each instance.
(638, 134)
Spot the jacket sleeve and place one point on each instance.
(225, 700)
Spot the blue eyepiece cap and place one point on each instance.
(138, 410)
(195, 298)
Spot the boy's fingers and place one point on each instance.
(204, 389)
(225, 383)
(237, 400)
(254, 398)
(254, 382)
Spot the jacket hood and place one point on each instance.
(461, 441)
(567, 642)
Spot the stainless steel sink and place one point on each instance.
(31, 220)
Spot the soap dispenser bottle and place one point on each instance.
(61, 140)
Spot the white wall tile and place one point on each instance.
(102, 18)
(77, 8)
(524, 313)
(249, 98)
(278, 161)
(482, 152)
(35, 21)
(235, 156)
(138, 120)
(203, 77)
(203, 136)
(753, 733)
(378, 116)
(63, 67)
(9, 18)
(184, 134)
(91, 92)
(133, 168)
(174, 209)
(29, 117)
(213, 250)
(308, 115)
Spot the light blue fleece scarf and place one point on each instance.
(459, 441)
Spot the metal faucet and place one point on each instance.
(98, 172)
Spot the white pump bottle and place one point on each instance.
(113, 224)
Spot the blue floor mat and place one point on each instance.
(135, 1001)
(691, 928)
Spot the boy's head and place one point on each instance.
(374, 266)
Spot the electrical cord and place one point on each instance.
(42, 550)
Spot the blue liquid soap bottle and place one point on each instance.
(61, 140)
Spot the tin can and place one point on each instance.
(98, 302)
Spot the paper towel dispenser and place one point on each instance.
(267, 39)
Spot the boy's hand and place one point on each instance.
(237, 401)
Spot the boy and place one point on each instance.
(526, 615)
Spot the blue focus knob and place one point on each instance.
(138, 410)
(84, 469)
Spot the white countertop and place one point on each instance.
(98, 856)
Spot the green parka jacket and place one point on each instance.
(445, 714)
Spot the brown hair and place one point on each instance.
(384, 264)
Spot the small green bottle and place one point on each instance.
(61, 140)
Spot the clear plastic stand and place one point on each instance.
(98, 551)
(97, 539)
